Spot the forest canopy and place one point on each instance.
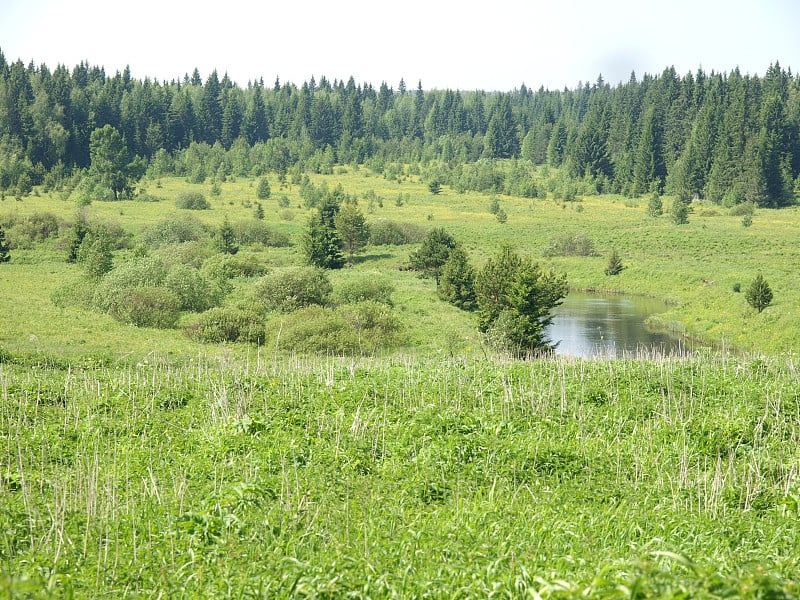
(726, 137)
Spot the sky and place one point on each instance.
(495, 45)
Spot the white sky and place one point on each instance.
(495, 45)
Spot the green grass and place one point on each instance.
(693, 267)
(137, 463)
(399, 478)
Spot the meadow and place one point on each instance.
(694, 267)
(136, 462)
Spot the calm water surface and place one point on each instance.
(596, 325)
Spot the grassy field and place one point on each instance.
(400, 478)
(135, 462)
(693, 267)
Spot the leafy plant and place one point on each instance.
(292, 288)
(192, 201)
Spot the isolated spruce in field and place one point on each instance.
(263, 191)
(321, 243)
(226, 238)
(515, 299)
(259, 212)
(435, 187)
(5, 251)
(457, 283)
(614, 266)
(759, 294)
(655, 207)
(679, 213)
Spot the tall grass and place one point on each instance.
(399, 477)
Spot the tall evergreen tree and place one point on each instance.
(321, 243)
(649, 170)
(352, 229)
(457, 283)
(5, 251)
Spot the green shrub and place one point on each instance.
(223, 267)
(192, 201)
(254, 231)
(227, 324)
(574, 244)
(79, 292)
(316, 329)
(192, 289)
(192, 254)
(375, 324)
(24, 232)
(175, 231)
(391, 233)
(367, 287)
(293, 288)
(147, 272)
(147, 307)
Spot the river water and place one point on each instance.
(610, 326)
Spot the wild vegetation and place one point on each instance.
(290, 342)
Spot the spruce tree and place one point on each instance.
(5, 251)
(433, 253)
(614, 266)
(321, 243)
(352, 229)
(679, 212)
(655, 207)
(457, 283)
(226, 238)
(263, 191)
(759, 294)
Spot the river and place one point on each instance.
(610, 326)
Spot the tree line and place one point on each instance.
(727, 137)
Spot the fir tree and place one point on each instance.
(655, 207)
(321, 243)
(352, 228)
(759, 294)
(263, 191)
(614, 266)
(679, 212)
(5, 251)
(457, 283)
(226, 238)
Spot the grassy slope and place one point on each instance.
(694, 267)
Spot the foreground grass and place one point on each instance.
(399, 477)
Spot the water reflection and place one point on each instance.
(594, 325)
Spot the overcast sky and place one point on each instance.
(489, 45)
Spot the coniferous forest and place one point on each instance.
(725, 137)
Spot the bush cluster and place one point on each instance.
(293, 288)
(253, 231)
(573, 244)
(192, 201)
(227, 324)
(391, 233)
